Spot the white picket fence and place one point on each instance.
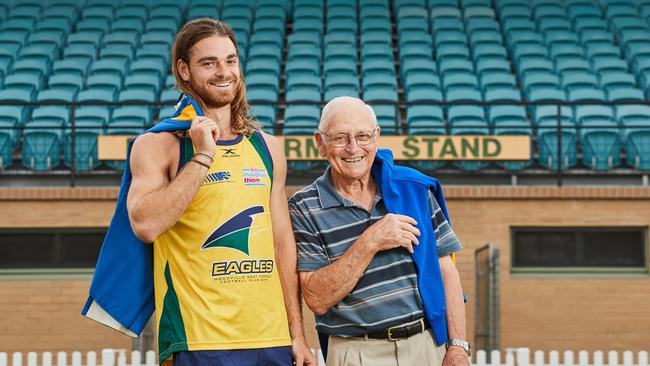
(513, 357)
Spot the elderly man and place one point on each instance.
(357, 259)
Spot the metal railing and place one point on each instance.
(560, 170)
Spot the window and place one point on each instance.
(34, 249)
(579, 249)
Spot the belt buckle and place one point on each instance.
(390, 333)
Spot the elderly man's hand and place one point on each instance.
(393, 231)
(455, 356)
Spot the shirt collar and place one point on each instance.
(328, 195)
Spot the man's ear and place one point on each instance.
(318, 137)
(183, 70)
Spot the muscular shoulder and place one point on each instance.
(273, 143)
(277, 152)
(160, 149)
(155, 140)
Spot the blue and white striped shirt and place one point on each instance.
(325, 225)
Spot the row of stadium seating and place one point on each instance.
(382, 51)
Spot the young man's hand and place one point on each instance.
(302, 355)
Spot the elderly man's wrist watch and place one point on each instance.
(460, 343)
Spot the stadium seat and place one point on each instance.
(263, 66)
(548, 136)
(422, 87)
(112, 68)
(66, 82)
(340, 67)
(340, 85)
(265, 115)
(308, 83)
(497, 81)
(425, 120)
(456, 81)
(301, 67)
(488, 51)
(510, 120)
(617, 79)
(447, 52)
(468, 120)
(42, 143)
(10, 118)
(263, 87)
(143, 82)
(599, 136)
(301, 119)
(387, 118)
(636, 134)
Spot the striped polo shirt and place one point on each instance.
(325, 225)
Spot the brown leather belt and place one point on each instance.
(400, 331)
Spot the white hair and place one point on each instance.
(332, 104)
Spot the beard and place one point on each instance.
(213, 98)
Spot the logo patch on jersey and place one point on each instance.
(234, 233)
(254, 177)
(246, 267)
(229, 153)
(217, 177)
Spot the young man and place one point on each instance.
(223, 248)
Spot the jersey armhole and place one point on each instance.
(186, 152)
(258, 142)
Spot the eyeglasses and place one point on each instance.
(343, 139)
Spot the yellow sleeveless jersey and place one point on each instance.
(215, 275)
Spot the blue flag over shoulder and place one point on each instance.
(405, 191)
(121, 293)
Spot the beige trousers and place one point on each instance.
(417, 350)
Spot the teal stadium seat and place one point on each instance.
(119, 53)
(265, 115)
(303, 88)
(66, 83)
(42, 138)
(263, 66)
(545, 120)
(468, 120)
(149, 82)
(340, 85)
(636, 134)
(10, 118)
(263, 87)
(386, 118)
(511, 120)
(20, 96)
(599, 136)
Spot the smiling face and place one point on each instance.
(348, 117)
(213, 71)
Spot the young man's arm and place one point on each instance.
(285, 253)
(155, 201)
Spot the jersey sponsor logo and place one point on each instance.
(217, 177)
(234, 233)
(254, 177)
(245, 267)
(229, 153)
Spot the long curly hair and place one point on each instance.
(193, 32)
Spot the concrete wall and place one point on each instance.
(543, 313)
